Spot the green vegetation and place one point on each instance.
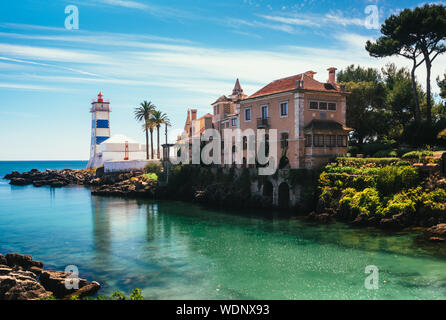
(379, 188)
(136, 294)
(154, 167)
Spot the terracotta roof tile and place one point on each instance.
(290, 83)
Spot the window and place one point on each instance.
(314, 105)
(284, 109)
(234, 122)
(308, 140)
(284, 140)
(264, 111)
(248, 114)
(318, 140)
(245, 143)
(331, 141)
(342, 141)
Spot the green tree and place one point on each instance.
(417, 35)
(399, 100)
(358, 74)
(365, 110)
(143, 113)
(442, 85)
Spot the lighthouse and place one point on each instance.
(100, 129)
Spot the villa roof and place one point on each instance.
(222, 99)
(326, 125)
(290, 83)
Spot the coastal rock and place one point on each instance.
(20, 285)
(86, 291)
(323, 218)
(12, 175)
(3, 260)
(437, 233)
(24, 261)
(55, 281)
(20, 182)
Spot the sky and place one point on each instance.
(176, 54)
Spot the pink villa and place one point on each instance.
(310, 117)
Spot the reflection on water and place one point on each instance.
(175, 250)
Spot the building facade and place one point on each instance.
(309, 116)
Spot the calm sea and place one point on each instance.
(175, 250)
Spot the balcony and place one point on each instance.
(262, 123)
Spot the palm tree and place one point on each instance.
(143, 113)
(151, 125)
(159, 118)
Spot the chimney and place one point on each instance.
(332, 75)
(310, 74)
(194, 114)
(300, 84)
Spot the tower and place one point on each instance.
(100, 129)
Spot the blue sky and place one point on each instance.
(177, 54)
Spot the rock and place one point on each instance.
(323, 218)
(20, 182)
(86, 291)
(55, 281)
(3, 260)
(36, 270)
(39, 183)
(25, 261)
(4, 270)
(437, 233)
(21, 286)
(390, 223)
(437, 239)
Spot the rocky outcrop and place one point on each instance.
(53, 178)
(134, 186)
(22, 278)
(437, 233)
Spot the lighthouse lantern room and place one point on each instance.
(100, 129)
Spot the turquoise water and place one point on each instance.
(175, 250)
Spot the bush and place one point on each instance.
(362, 163)
(435, 200)
(386, 154)
(400, 203)
(154, 167)
(150, 176)
(418, 155)
(363, 202)
(392, 179)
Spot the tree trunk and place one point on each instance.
(415, 94)
(151, 141)
(158, 141)
(166, 133)
(147, 144)
(428, 90)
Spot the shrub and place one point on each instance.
(386, 154)
(366, 162)
(151, 176)
(435, 200)
(363, 202)
(153, 167)
(400, 203)
(392, 179)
